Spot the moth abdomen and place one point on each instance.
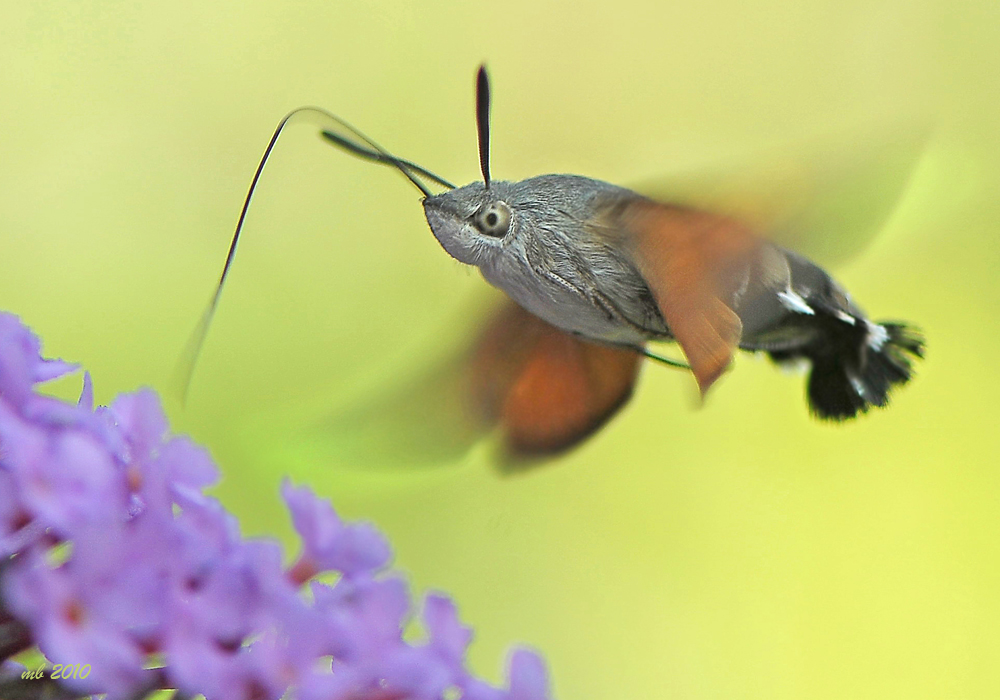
(854, 365)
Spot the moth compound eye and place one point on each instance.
(494, 219)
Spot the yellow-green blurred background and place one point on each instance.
(738, 551)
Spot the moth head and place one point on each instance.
(471, 223)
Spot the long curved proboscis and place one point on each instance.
(332, 124)
(483, 121)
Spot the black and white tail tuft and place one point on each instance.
(855, 366)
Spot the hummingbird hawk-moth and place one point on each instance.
(594, 272)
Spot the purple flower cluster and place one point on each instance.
(113, 559)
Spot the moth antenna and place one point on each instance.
(368, 149)
(483, 121)
(381, 157)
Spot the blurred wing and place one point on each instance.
(545, 389)
(695, 263)
(414, 419)
(826, 201)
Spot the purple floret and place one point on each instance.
(21, 363)
(329, 544)
(113, 559)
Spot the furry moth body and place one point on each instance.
(609, 266)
